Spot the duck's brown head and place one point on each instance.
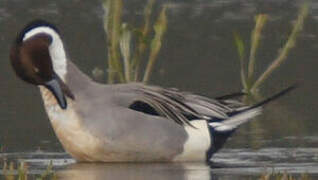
(38, 57)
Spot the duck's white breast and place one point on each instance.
(67, 126)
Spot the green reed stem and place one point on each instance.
(160, 28)
(142, 39)
(112, 28)
(255, 39)
(241, 52)
(124, 42)
(108, 21)
(287, 47)
(118, 6)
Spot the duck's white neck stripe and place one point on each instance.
(56, 49)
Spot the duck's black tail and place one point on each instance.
(221, 130)
(244, 115)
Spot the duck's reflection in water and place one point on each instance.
(140, 171)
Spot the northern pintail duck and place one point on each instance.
(123, 122)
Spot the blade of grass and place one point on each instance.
(147, 15)
(5, 168)
(107, 13)
(108, 23)
(112, 24)
(10, 172)
(49, 171)
(160, 28)
(142, 39)
(255, 39)
(22, 171)
(124, 42)
(241, 52)
(287, 47)
(118, 6)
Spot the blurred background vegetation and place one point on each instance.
(131, 47)
(250, 82)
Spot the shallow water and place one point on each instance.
(229, 163)
(198, 55)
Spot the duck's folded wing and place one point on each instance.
(181, 107)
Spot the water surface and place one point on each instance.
(229, 163)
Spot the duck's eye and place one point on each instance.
(50, 39)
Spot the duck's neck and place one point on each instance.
(75, 80)
(58, 55)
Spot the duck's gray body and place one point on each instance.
(124, 122)
(99, 125)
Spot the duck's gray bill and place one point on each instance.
(54, 86)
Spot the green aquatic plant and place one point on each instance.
(283, 176)
(112, 26)
(48, 173)
(251, 83)
(142, 39)
(21, 172)
(160, 28)
(128, 45)
(255, 40)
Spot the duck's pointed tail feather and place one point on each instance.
(230, 96)
(244, 115)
